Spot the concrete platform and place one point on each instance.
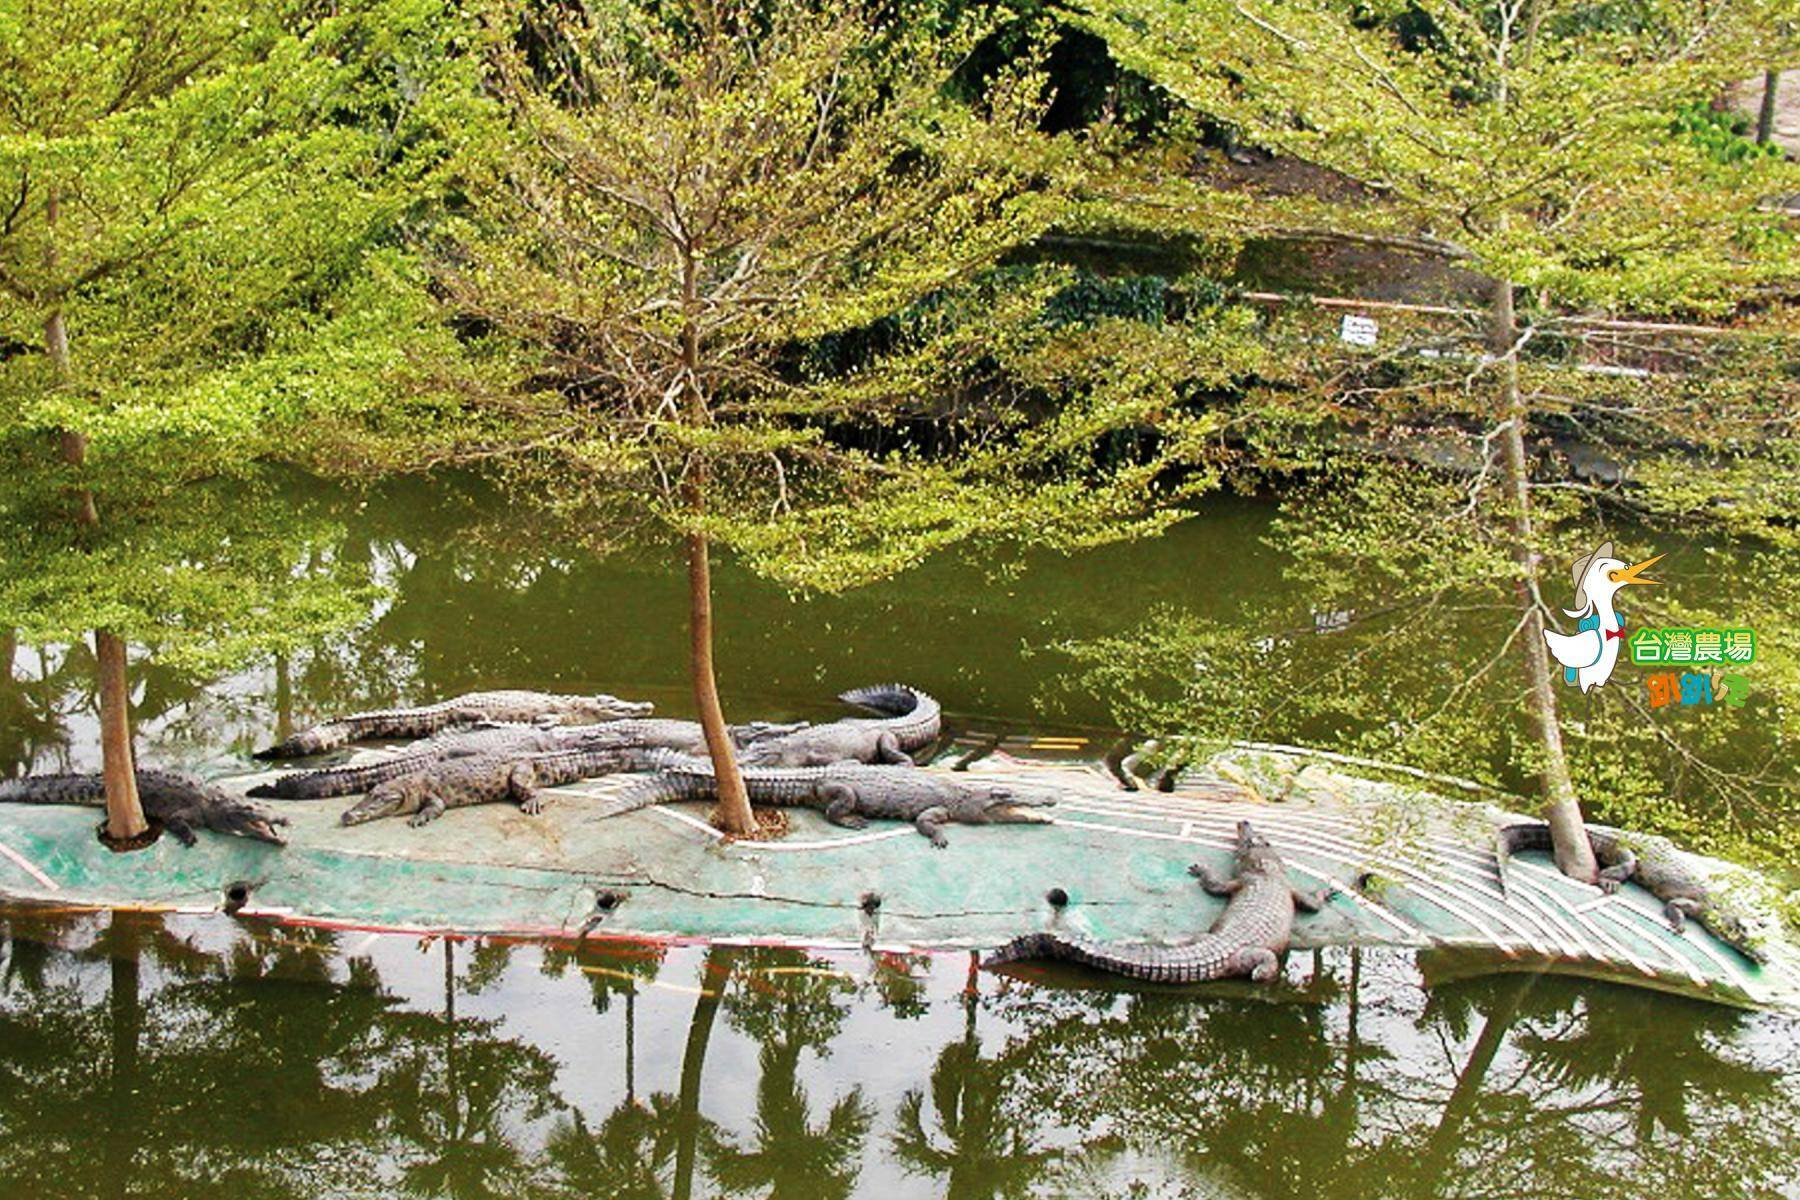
(1415, 868)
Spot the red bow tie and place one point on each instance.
(1615, 633)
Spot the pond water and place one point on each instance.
(203, 1057)
(464, 612)
(193, 1057)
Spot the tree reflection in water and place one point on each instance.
(977, 1142)
(186, 1057)
(789, 1003)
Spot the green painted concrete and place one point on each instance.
(1122, 858)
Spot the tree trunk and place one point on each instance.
(15, 710)
(733, 813)
(1765, 116)
(631, 1045)
(452, 1087)
(1574, 856)
(124, 812)
(284, 698)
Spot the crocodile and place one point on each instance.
(468, 709)
(180, 802)
(1249, 937)
(1654, 864)
(911, 722)
(487, 779)
(462, 742)
(848, 793)
(1135, 762)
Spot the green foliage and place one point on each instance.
(1534, 143)
(199, 194)
(1725, 136)
(740, 267)
(1400, 644)
(220, 572)
(1559, 147)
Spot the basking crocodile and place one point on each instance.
(1655, 865)
(848, 794)
(912, 722)
(542, 707)
(1248, 938)
(180, 802)
(460, 742)
(487, 779)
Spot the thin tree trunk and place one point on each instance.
(15, 709)
(1765, 116)
(1574, 856)
(284, 698)
(452, 1087)
(124, 812)
(631, 1045)
(733, 813)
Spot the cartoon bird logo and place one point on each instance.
(1589, 654)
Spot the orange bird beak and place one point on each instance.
(1633, 573)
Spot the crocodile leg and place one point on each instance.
(1617, 873)
(1679, 909)
(522, 783)
(1214, 884)
(931, 824)
(1312, 902)
(429, 810)
(178, 825)
(840, 805)
(1260, 963)
(887, 750)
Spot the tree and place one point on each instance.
(750, 253)
(1532, 144)
(187, 193)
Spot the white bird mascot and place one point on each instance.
(1589, 654)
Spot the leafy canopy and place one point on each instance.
(201, 191)
(758, 246)
(1532, 140)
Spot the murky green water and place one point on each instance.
(193, 1057)
(475, 607)
(202, 1057)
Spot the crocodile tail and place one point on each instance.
(340, 781)
(1205, 958)
(1502, 856)
(676, 776)
(889, 699)
(1026, 947)
(644, 793)
(915, 717)
(1510, 839)
(54, 789)
(315, 740)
